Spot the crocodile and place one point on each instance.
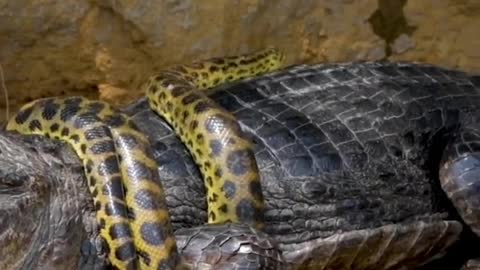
(367, 165)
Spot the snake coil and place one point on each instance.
(122, 175)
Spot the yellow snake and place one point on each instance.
(212, 135)
(128, 196)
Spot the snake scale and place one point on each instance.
(122, 178)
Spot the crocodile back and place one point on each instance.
(339, 146)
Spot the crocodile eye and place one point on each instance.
(13, 180)
(313, 190)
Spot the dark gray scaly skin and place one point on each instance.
(350, 148)
(46, 210)
(47, 218)
(349, 156)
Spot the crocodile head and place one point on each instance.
(47, 219)
(44, 204)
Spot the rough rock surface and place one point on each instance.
(104, 49)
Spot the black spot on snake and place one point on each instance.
(98, 206)
(95, 192)
(109, 166)
(207, 165)
(115, 120)
(194, 124)
(50, 109)
(153, 233)
(200, 139)
(54, 127)
(73, 101)
(34, 125)
(83, 148)
(212, 216)
(202, 106)
(97, 133)
(145, 257)
(65, 131)
(125, 252)
(239, 162)
(92, 181)
(223, 208)
(131, 213)
(214, 198)
(161, 96)
(152, 88)
(102, 147)
(23, 115)
(179, 90)
(169, 106)
(216, 147)
(190, 98)
(75, 138)
(69, 111)
(115, 209)
(120, 230)
(102, 223)
(209, 181)
(148, 200)
(89, 166)
(185, 114)
(85, 119)
(114, 187)
(139, 170)
(218, 172)
(95, 107)
(230, 189)
(176, 113)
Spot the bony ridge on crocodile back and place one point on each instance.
(212, 135)
(129, 199)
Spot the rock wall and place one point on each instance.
(104, 49)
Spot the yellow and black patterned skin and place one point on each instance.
(211, 134)
(128, 196)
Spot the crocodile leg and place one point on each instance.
(460, 173)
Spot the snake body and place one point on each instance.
(211, 134)
(128, 196)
